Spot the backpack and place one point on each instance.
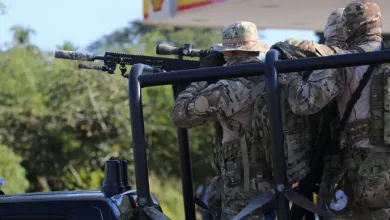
(295, 132)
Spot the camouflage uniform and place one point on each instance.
(243, 174)
(299, 131)
(367, 190)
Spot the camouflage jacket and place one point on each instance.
(299, 134)
(303, 48)
(322, 86)
(231, 103)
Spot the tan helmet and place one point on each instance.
(333, 32)
(241, 36)
(362, 18)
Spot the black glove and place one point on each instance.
(279, 49)
(212, 60)
(285, 51)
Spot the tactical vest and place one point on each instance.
(299, 135)
(366, 171)
(239, 160)
(297, 141)
(296, 136)
(377, 127)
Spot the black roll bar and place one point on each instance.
(277, 137)
(270, 67)
(282, 66)
(138, 136)
(139, 145)
(185, 156)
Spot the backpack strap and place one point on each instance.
(356, 95)
(359, 129)
(352, 101)
(198, 199)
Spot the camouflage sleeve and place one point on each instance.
(194, 106)
(309, 97)
(308, 48)
(302, 48)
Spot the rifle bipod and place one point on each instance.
(110, 68)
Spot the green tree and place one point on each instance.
(11, 170)
(143, 39)
(67, 45)
(3, 9)
(65, 122)
(22, 35)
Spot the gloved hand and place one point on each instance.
(212, 60)
(278, 46)
(285, 51)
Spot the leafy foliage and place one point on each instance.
(63, 123)
(3, 9)
(169, 195)
(158, 101)
(12, 171)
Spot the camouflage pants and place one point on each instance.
(366, 182)
(226, 201)
(240, 180)
(214, 200)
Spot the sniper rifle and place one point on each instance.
(111, 59)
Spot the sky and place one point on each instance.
(84, 21)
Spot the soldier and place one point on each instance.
(301, 132)
(361, 188)
(334, 39)
(298, 124)
(243, 174)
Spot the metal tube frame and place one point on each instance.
(277, 137)
(270, 67)
(138, 136)
(185, 160)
